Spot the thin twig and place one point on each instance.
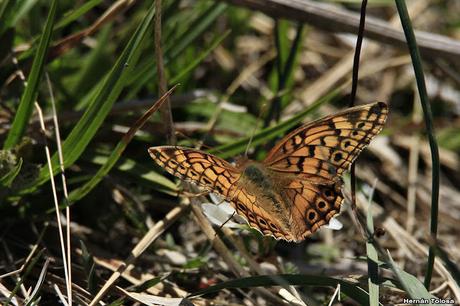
(354, 87)
(165, 110)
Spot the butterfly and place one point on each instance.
(297, 188)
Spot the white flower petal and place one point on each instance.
(219, 214)
(334, 224)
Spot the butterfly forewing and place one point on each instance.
(325, 148)
(205, 170)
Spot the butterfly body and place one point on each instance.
(258, 180)
(297, 188)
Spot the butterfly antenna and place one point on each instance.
(262, 112)
(198, 144)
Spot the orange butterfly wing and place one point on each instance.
(323, 149)
(215, 174)
(318, 154)
(208, 171)
(313, 205)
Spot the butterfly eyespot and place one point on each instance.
(355, 133)
(180, 167)
(338, 156)
(360, 125)
(321, 205)
(251, 216)
(328, 193)
(241, 207)
(311, 215)
(346, 144)
(273, 226)
(262, 221)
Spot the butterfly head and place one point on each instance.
(241, 161)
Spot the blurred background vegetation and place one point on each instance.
(244, 67)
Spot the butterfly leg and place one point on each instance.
(223, 224)
(193, 195)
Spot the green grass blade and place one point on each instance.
(428, 118)
(287, 77)
(352, 290)
(88, 125)
(410, 283)
(31, 91)
(7, 9)
(21, 9)
(217, 41)
(76, 13)
(8, 178)
(372, 258)
(196, 29)
(90, 73)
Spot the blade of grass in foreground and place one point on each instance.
(352, 290)
(9, 177)
(428, 118)
(31, 91)
(372, 258)
(144, 174)
(410, 283)
(89, 124)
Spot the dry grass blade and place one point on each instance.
(66, 44)
(64, 188)
(56, 206)
(165, 110)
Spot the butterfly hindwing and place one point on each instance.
(312, 205)
(246, 205)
